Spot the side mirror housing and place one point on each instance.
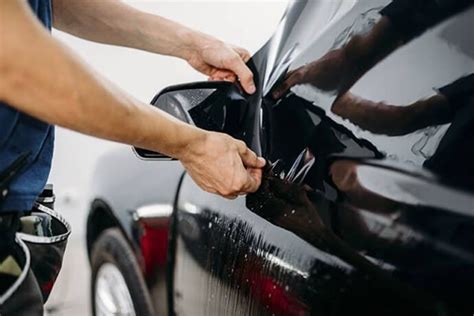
(215, 106)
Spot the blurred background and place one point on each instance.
(245, 23)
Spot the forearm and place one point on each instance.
(113, 22)
(434, 110)
(365, 51)
(57, 88)
(393, 120)
(401, 22)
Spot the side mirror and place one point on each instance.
(215, 106)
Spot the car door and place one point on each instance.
(357, 213)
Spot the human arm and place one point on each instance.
(113, 22)
(393, 120)
(40, 77)
(400, 22)
(340, 68)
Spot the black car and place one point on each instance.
(365, 114)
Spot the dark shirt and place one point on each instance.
(413, 17)
(21, 133)
(454, 157)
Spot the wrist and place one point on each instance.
(436, 110)
(191, 143)
(193, 43)
(175, 40)
(189, 44)
(367, 50)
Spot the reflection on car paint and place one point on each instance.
(316, 239)
(337, 227)
(289, 206)
(419, 147)
(245, 272)
(361, 25)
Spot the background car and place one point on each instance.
(365, 206)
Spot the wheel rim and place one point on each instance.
(112, 296)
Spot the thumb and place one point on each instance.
(244, 74)
(251, 160)
(254, 179)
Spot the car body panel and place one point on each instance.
(264, 269)
(346, 220)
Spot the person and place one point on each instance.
(452, 103)
(43, 84)
(401, 21)
(342, 66)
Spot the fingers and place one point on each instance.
(248, 177)
(256, 175)
(230, 197)
(248, 181)
(226, 167)
(238, 66)
(253, 165)
(243, 53)
(252, 183)
(249, 158)
(222, 75)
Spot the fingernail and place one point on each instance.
(262, 161)
(252, 89)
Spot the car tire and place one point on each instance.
(111, 251)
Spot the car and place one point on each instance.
(367, 200)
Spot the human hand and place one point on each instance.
(328, 73)
(285, 204)
(220, 61)
(223, 165)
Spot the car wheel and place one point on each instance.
(117, 285)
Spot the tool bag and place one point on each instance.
(40, 245)
(45, 232)
(33, 261)
(18, 287)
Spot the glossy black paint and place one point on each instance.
(350, 217)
